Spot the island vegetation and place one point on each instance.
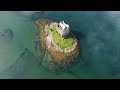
(63, 49)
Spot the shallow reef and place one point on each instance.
(6, 34)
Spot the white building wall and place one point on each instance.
(64, 31)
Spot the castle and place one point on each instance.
(63, 29)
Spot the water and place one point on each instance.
(98, 32)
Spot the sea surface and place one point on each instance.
(98, 33)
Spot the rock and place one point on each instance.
(6, 34)
(61, 60)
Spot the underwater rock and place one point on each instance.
(6, 34)
(25, 62)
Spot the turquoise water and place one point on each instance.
(98, 32)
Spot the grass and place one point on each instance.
(67, 42)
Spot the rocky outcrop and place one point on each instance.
(60, 57)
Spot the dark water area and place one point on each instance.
(98, 33)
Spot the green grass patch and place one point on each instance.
(67, 42)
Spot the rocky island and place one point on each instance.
(59, 41)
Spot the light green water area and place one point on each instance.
(98, 33)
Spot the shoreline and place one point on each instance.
(58, 58)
